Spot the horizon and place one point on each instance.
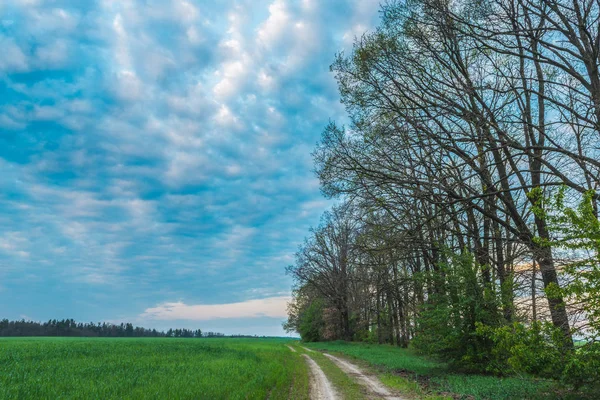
(205, 333)
(157, 157)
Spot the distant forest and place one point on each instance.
(70, 327)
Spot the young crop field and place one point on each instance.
(150, 368)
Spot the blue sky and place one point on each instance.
(155, 155)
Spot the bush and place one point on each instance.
(361, 335)
(311, 323)
(535, 349)
(583, 368)
(538, 349)
(448, 322)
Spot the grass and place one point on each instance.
(409, 387)
(400, 368)
(150, 368)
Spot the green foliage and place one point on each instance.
(364, 335)
(448, 322)
(305, 314)
(311, 324)
(517, 348)
(583, 369)
(150, 368)
(373, 336)
(577, 230)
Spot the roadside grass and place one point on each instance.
(407, 371)
(300, 387)
(150, 368)
(346, 387)
(408, 387)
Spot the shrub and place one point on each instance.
(311, 323)
(448, 322)
(534, 349)
(583, 368)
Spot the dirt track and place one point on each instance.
(320, 387)
(375, 388)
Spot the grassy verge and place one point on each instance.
(346, 387)
(409, 387)
(150, 368)
(300, 387)
(407, 371)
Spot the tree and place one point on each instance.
(466, 117)
(325, 260)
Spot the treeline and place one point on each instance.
(69, 327)
(186, 333)
(468, 222)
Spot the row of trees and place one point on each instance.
(186, 333)
(69, 327)
(469, 216)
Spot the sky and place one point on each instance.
(155, 156)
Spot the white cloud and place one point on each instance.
(14, 243)
(225, 117)
(129, 87)
(53, 55)
(194, 36)
(233, 169)
(8, 123)
(266, 81)
(121, 49)
(232, 78)
(184, 167)
(275, 307)
(185, 11)
(273, 29)
(13, 59)
(55, 20)
(47, 113)
(236, 238)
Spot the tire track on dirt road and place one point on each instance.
(374, 386)
(320, 387)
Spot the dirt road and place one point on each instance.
(375, 388)
(320, 387)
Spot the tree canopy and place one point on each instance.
(467, 120)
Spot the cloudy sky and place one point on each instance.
(155, 155)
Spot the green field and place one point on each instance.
(161, 368)
(436, 377)
(170, 368)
